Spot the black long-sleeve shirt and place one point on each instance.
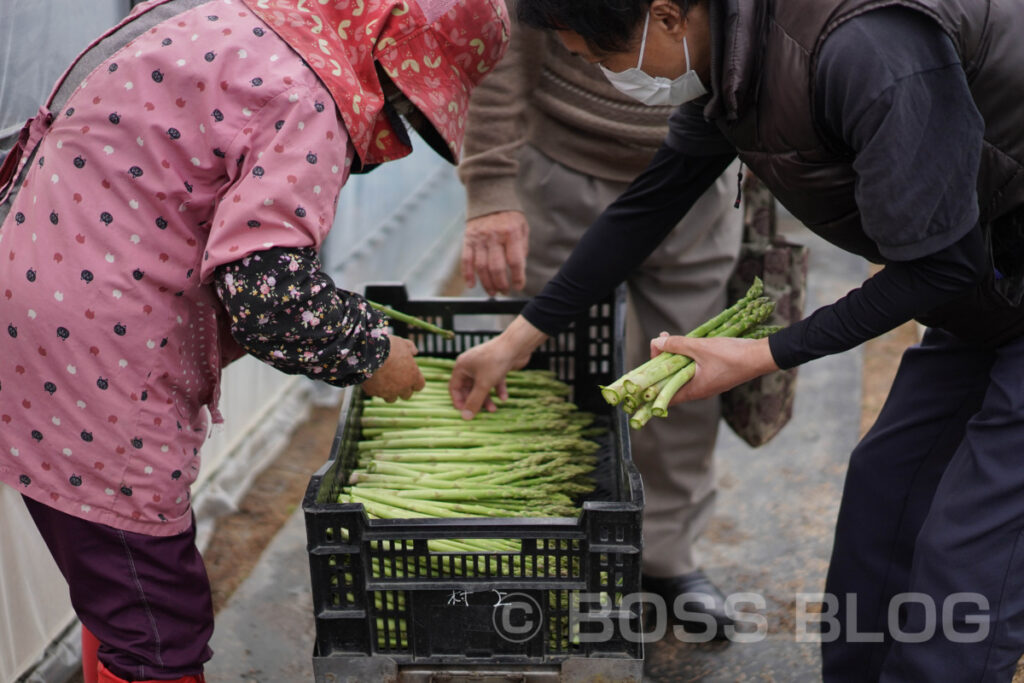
(891, 89)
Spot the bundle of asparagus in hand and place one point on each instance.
(645, 392)
(420, 458)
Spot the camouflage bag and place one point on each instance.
(758, 410)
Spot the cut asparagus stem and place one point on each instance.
(646, 391)
(671, 364)
(641, 417)
(410, 320)
(651, 392)
(664, 365)
(614, 392)
(674, 384)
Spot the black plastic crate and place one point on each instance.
(436, 609)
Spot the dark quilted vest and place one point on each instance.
(763, 66)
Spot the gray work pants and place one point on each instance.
(679, 286)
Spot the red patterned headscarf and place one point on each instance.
(435, 51)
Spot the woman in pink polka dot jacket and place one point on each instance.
(162, 216)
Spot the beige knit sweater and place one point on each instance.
(542, 95)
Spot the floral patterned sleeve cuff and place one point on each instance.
(287, 312)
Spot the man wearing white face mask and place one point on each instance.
(891, 129)
(550, 143)
(656, 90)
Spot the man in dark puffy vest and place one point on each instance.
(892, 129)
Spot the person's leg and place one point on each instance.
(146, 598)
(969, 556)
(107, 676)
(677, 288)
(90, 656)
(559, 205)
(892, 476)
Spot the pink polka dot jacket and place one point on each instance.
(177, 199)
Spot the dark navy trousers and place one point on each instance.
(927, 569)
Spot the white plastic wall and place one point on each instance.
(37, 40)
(401, 223)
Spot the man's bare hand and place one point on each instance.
(399, 376)
(482, 368)
(722, 363)
(494, 250)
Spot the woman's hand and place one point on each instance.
(722, 363)
(399, 376)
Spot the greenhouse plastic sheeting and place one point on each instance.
(37, 41)
(34, 606)
(402, 223)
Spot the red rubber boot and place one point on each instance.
(90, 648)
(106, 677)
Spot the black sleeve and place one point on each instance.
(286, 311)
(690, 133)
(625, 235)
(899, 292)
(890, 89)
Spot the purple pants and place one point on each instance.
(146, 598)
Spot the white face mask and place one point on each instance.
(657, 91)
